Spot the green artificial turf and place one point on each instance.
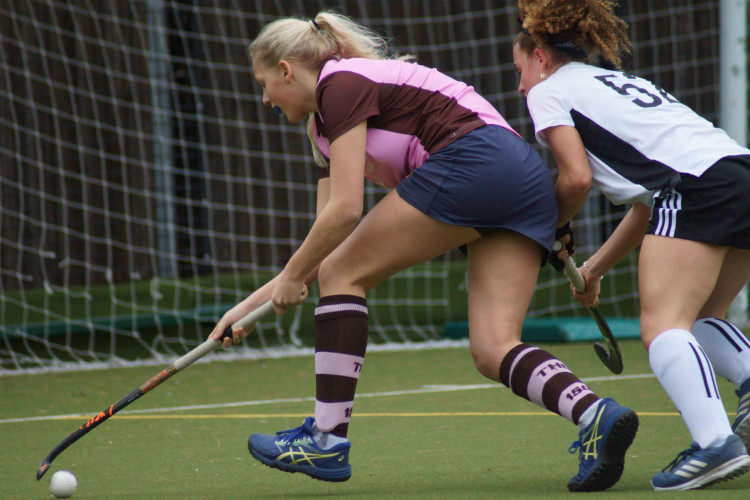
(469, 438)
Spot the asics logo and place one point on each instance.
(303, 456)
(589, 447)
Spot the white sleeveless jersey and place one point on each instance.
(638, 138)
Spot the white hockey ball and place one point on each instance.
(63, 484)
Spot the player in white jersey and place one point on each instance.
(687, 183)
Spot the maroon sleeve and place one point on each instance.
(344, 100)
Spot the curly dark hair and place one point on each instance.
(591, 24)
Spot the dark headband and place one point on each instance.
(572, 49)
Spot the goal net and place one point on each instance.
(145, 189)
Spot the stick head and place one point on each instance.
(42, 470)
(611, 358)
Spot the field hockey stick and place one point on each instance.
(610, 355)
(182, 363)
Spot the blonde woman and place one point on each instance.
(688, 185)
(460, 177)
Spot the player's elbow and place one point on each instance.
(346, 214)
(574, 186)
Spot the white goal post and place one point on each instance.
(734, 98)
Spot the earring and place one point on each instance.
(543, 75)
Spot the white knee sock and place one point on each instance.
(686, 374)
(726, 346)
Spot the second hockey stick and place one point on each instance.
(609, 355)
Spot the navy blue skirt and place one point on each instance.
(488, 179)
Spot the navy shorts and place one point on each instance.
(488, 179)
(713, 208)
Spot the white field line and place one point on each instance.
(423, 390)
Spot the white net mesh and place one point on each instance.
(145, 189)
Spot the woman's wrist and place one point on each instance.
(590, 272)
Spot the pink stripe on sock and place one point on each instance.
(517, 359)
(329, 415)
(335, 363)
(540, 376)
(347, 307)
(570, 396)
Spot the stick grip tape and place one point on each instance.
(209, 345)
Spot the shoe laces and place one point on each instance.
(291, 435)
(681, 456)
(296, 430)
(574, 447)
(577, 444)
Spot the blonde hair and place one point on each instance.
(318, 156)
(314, 42)
(590, 24)
(328, 36)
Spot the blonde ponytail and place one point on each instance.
(313, 42)
(320, 159)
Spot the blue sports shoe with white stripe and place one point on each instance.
(602, 445)
(697, 468)
(741, 425)
(295, 451)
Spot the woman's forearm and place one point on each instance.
(624, 239)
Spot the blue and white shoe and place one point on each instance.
(295, 451)
(741, 425)
(602, 447)
(697, 468)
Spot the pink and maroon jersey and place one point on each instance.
(411, 112)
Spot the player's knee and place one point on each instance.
(327, 274)
(648, 334)
(334, 277)
(486, 362)
(339, 273)
(486, 368)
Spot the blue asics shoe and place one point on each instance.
(295, 451)
(741, 425)
(697, 468)
(602, 447)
